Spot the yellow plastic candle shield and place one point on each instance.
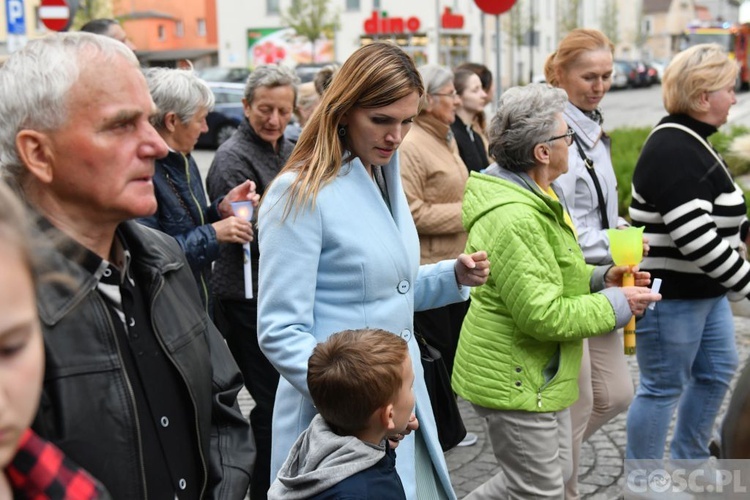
(626, 246)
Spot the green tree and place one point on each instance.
(569, 12)
(609, 21)
(91, 9)
(311, 19)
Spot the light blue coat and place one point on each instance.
(345, 264)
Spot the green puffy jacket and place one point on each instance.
(520, 345)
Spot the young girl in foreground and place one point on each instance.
(33, 468)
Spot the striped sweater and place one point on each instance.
(693, 213)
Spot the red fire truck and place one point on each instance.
(734, 38)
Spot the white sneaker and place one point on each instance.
(470, 439)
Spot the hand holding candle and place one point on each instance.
(626, 246)
(244, 210)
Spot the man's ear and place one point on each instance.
(36, 154)
(542, 152)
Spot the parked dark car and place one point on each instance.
(226, 115)
(636, 72)
(620, 76)
(222, 74)
(652, 74)
(306, 72)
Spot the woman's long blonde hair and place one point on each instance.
(374, 76)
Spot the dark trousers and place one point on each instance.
(237, 321)
(441, 328)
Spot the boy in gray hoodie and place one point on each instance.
(361, 384)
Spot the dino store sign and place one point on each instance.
(381, 24)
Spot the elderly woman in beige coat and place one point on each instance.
(434, 177)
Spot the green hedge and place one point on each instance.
(627, 144)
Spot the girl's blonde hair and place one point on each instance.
(14, 226)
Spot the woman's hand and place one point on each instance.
(233, 230)
(241, 192)
(614, 276)
(412, 425)
(472, 270)
(639, 298)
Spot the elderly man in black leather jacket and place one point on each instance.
(140, 388)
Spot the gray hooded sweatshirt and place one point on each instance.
(319, 460)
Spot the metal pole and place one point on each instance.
(498, 47)
(437, 29)
(531, 41)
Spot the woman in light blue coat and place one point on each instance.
(339, 250)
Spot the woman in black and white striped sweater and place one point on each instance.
(694, 218)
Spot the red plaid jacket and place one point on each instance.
(41, 471)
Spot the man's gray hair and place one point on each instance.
(271, 75)
(526, 116)
(434, 77)
(177, 91)
(34, 85)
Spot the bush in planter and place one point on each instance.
(627, 144)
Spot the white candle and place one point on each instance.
(244, 210)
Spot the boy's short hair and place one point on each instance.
(354, 373)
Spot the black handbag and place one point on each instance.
(450, 425)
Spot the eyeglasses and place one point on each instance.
(568, 136)
(452, 95)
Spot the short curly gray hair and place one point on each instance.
(271, 75)
(177, 91)
(524, 115)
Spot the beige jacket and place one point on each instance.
(434, 177)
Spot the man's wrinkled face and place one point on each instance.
(102, 157)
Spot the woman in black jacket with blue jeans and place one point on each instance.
(183, 101)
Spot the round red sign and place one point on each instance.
(494, 7)
(54, 14)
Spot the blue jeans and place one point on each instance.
(686, 354)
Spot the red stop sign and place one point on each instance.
(494, 7)
(55, 14)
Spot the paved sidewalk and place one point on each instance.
(601, 471)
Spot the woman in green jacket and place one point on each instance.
(519, 352)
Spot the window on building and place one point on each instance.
(352, 5)
(646, 26)
(201, 27)
(375, 4)
(179, 29)
(161, 32)
(272, 7)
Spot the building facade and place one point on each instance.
(447, 32)
(169, 32)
